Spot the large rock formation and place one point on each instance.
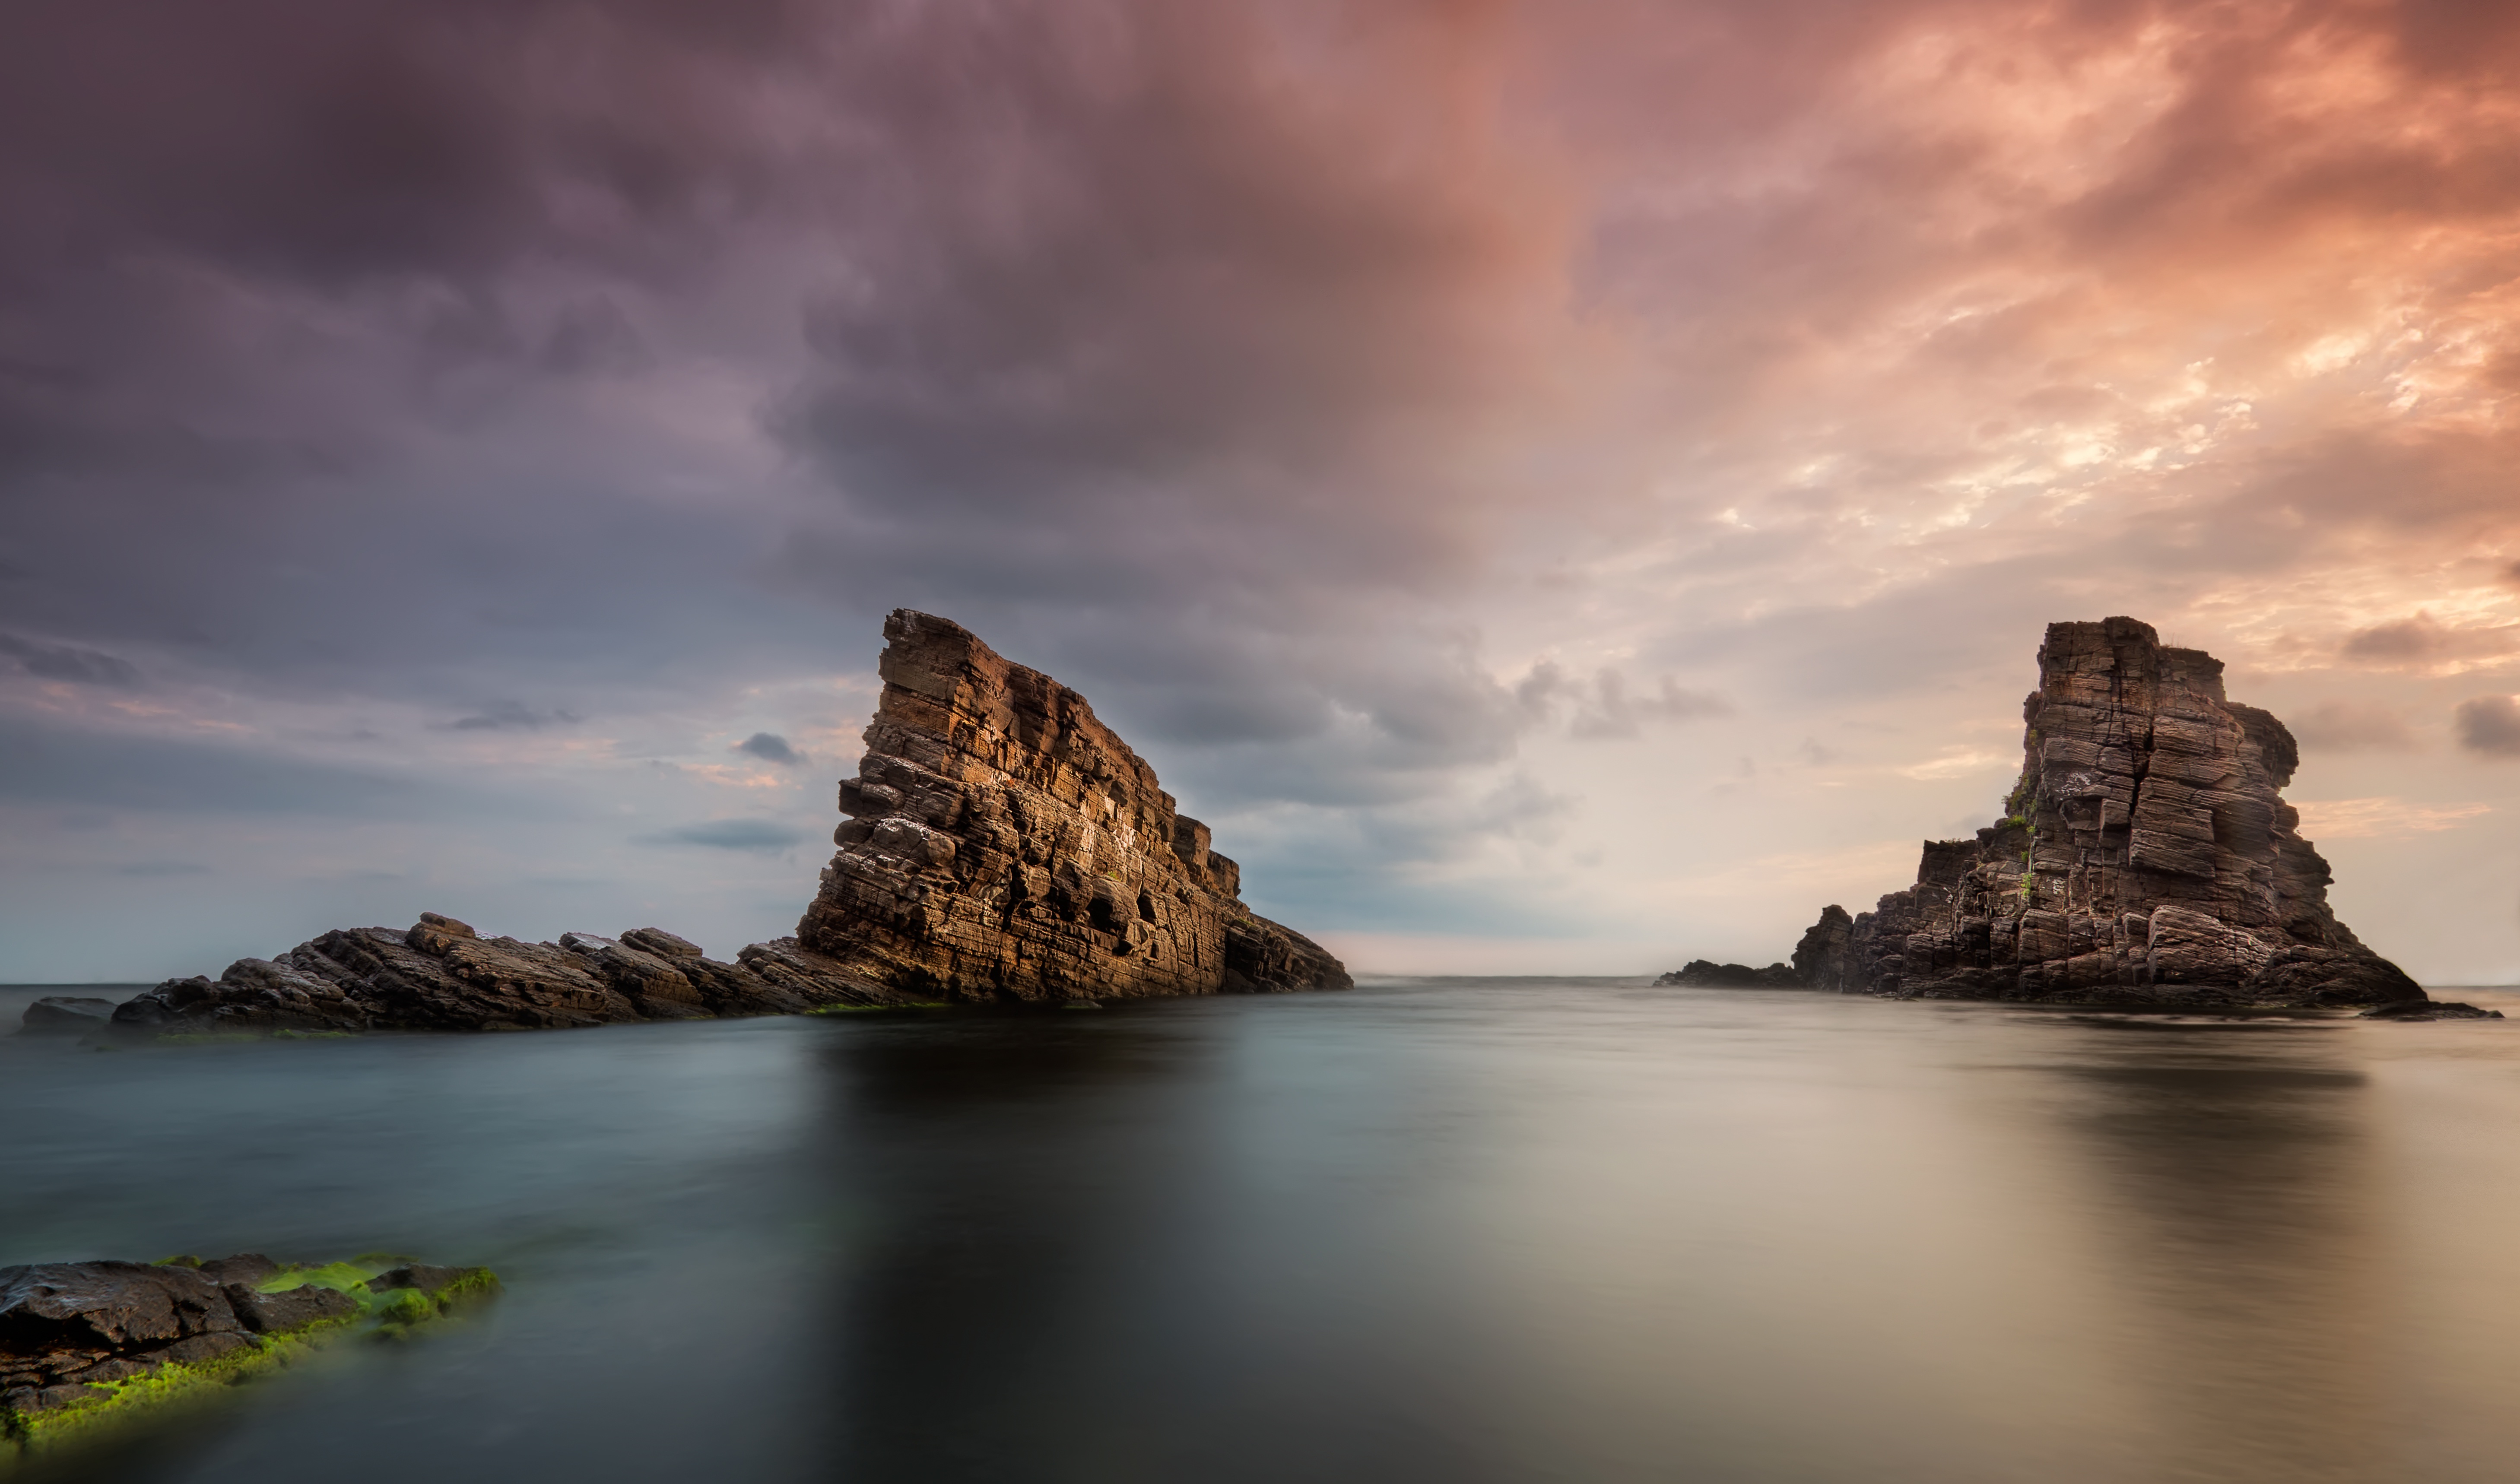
(2144, 857)
(1004, 846)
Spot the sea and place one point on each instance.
(1453, 1230)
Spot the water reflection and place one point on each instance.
(2238, 1168)
(1082, 1259)
(1461, 1231)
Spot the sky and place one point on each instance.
(1564, 487)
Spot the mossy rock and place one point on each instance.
(391, 1297)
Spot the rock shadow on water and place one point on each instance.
(2241, 1216)
(1039, 1278)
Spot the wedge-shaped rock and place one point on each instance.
(1006, 846)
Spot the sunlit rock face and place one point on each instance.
(1004, 844)
(2146, 856)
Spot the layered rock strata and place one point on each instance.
(1004, 844)
(439, 975)
(2146, 856)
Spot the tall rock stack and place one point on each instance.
(2144, 856)
(1004, 844)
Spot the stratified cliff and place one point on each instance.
(1004, 847)
(1006, 844)
(2144, 857)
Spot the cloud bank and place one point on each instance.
(1495, 459)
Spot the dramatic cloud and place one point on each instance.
(2344, 726)
(68, 662)
(770, 747)
(1492, 459)
(2490, 725)
(767, 835)
(2423, 642)
(509, 715)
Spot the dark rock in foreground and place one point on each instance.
(1004, 845)
(1705, 974)
(86, 1343)
(2145, 857)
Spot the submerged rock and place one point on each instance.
(2145, 857)
(2429, 1010)
(88, 1342)
(1003, 845)
(67, 1012)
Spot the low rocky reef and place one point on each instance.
(439, 975)
(1002, 848)
(2145, 857)
(85, 1347)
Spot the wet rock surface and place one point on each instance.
(2145, 857)
(66, 1326)
(75, 1336)
(1005, 845)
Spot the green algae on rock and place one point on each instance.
(87, 1348)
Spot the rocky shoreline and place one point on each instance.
(1002, 846)
(87, 1346)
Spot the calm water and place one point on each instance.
(1456, 1229)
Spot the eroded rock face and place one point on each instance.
(1004, 844)
(2145, 857)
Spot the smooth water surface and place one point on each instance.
(1440, 1230)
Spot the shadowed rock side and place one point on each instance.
(2144, 857)
(1004, 844)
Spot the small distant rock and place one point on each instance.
(1705, 974)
